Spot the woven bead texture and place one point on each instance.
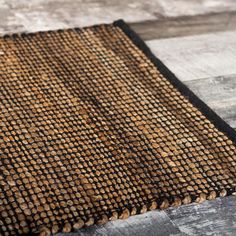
(91, 130)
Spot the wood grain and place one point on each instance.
(219, 94)
(216, 218)
(199, 56)
(168, 27)
(186, 7)
(176, 17)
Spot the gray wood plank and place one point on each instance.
(192, 7)
(200, 56)
(17, 16)
(35, 15)
(216, 217)
(168, 27)
(219, 93)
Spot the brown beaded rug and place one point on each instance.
(93, 128)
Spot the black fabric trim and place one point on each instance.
(207, 111)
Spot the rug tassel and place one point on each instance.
(223, 193)
(212, 195)
(177, 202)
(66, 228)
(201, 198)
(44, 231)
(187, 200)
(104, 219)
(143, 209)
(153, 206)
(89, 222)
(133, 211)
(55, 229)
(114, 216)
(164, 204)
(79, 224)
(125, 214)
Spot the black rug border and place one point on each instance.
(219, 123)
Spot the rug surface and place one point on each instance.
(93, 128)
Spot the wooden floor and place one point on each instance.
(196, 39)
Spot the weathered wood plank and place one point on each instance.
(19, 16)
(200, 56)
(154, 223)
(216, 217)
(219, 93)
(168, 27)
(192, 7)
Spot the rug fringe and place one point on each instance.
(126, 213)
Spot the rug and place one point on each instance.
(94, 128)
